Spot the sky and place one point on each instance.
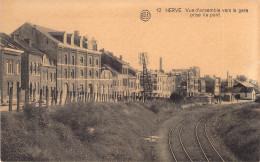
(229, 42)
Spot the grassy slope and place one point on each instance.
(97, 131)
(240, 131)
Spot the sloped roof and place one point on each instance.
(22, 45)
(245, 84)
(28, 48)
(242, 89)
(5, 41)
(113, 71)
(47, 32)
(114, 57)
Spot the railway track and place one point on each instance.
(185, 156)
(169, 140)
(206, 146)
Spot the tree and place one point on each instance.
(241, 78)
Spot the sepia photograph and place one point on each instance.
(133, 80)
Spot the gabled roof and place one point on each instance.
(113, 71)
(242, 89)
(48, 31)
(22, 45)
(110, 54)
(28, 48)
(5, 41)
(245, 84)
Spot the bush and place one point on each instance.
(239, 131)
(176, 98)
(80, 131)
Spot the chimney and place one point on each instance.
(81, 42)
(65, 38)
(121, 57)
(227, 75)
(160, 64)
(72, 40)
(85, 42)
(76, 33)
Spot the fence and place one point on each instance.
(53, 97)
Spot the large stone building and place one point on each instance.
(77, 61)
(213, 84)
(161, 84)
(187, 81)
(126, 84)
(10, 71)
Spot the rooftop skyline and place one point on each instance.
(216, 45)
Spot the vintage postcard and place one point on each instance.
(134, 80)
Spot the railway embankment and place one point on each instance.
(238, 129)
(92, 131)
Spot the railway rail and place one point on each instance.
(205, 145)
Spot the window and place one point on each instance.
(114, 82)
(8, 87)
(81, 60)
(43, 75)
(66, 73)
(9, 65)
(90, 61)
(66, 59)
(18, 67)
(90, 73)
(96, 73)
(72, 73)
(35, 68)
(125, 82)
(51, 77)
(31, 67)
(38, 68)
(96, 61)
(38, 88)
(82, 73)
(72, 60)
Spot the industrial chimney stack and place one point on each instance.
(161, 70)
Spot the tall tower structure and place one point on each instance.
(146, 82)
(161, 70)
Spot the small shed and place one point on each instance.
(244, 91)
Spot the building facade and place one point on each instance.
(187, 81)
(10, 71)
(77, 61)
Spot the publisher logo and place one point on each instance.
(145, 15)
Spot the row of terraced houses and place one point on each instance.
(38, 61)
